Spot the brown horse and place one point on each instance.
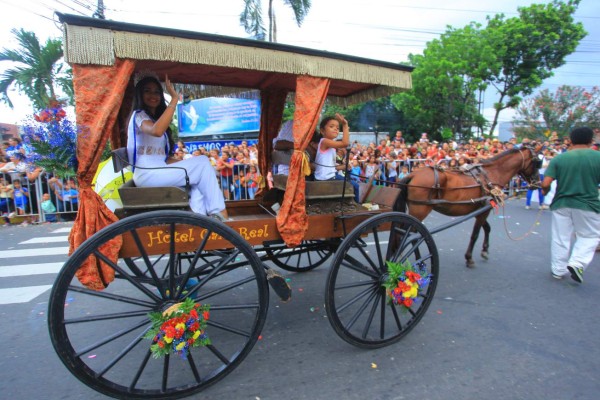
(457, 192)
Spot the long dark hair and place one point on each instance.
(138, 104)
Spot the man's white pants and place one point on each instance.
(575, 235)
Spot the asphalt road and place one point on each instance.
(503, 330)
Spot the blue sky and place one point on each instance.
(380, 29)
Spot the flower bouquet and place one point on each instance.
(404, 282)
(178, 328)
(53, 139)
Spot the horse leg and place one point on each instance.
(474, 236)
(486, 239)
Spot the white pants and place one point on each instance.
(205, 195)
(575, 235)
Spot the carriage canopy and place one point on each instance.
(105, 54)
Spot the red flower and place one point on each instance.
(407, 302)
(194, 314)
(161, 344)
(205, 315)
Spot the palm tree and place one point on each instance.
(252, 21)
(37, 70)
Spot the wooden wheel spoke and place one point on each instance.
(354, 285)
(110, 296)
(110, 338)
(354, 264)
(193, 263)
(382, 318)
(354, 299)
(149, 265)
(103, 317)
(378, 249)
(138, 285)
(411, 250)
(222, 263)
(371, 315)
(194, 369)
(218, 354)
(228, 328)
(165, 374)
(223, 289)
(361, 309)
(366, 257)
(123, 352)
(140, 370)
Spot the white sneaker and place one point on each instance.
(527, 207)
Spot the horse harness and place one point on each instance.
(492, 191)
(475, 171)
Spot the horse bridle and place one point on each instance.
(536, 163)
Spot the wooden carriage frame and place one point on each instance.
(120, 270)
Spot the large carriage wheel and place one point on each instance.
(98, 335)
(307, 256)
(355, 299)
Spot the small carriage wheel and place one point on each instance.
(99, 335)
(356, 300)
(307, 256)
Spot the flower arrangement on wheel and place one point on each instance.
(404, 282)
(177, 329)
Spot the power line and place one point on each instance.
(25, 9)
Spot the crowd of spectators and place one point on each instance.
(236, 167)
(29, 194)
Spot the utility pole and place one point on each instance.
(99, 10)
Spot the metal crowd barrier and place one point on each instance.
(32, 212)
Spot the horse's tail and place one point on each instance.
(401, 201)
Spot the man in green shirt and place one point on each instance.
(575, 206)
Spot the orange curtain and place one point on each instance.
(99, 93)
(292, 221)
(272, 103)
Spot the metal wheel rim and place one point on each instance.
(235, 275)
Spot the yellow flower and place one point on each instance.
(412, 293)
(180, 325)
(168, 339)
(180, 346)
(196, 334)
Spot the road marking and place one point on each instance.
(30, 269)
(50, 251)
(62, 230)
(22, 294)
(46, 239)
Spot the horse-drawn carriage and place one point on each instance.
(122, 272)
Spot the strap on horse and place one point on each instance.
(493, 191)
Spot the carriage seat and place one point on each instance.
(318, 189)
(139, 199)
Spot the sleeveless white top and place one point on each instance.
(325, 163)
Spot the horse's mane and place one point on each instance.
(498, 156)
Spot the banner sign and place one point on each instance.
(217, 144)
(215, 115)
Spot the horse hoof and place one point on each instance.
(484, 255)
(470, 264)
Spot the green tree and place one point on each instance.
(446, 81)
(251, 17)
(529, 47)
(561, 111)
(38, 71)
